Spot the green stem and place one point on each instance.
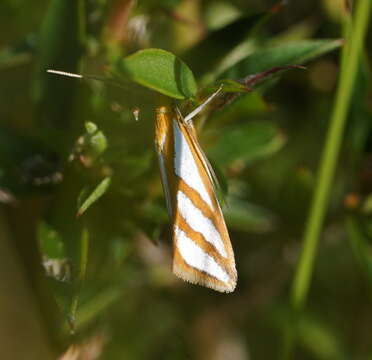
(349, 62)
(84, 249)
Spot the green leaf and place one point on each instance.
(91, 145)
(246, 143)
(243, 216)
(232, 86)
(87, 198)
(218, 14)
(293, 53)
(160, 70)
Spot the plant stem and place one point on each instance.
(84, 249)
(349, 63)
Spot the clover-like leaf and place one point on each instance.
(159, 70)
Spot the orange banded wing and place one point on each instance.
(202, 252)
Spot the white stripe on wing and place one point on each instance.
(195, 257)
(199, 223)
(185, 166)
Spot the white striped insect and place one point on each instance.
(202, 252)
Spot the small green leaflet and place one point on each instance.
(87, 198)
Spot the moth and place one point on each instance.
(202, 251)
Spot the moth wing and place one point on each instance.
(203, 158)
(202, 248)
(165, 183)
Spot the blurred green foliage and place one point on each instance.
(80, 188)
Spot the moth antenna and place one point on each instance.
(65, 73)
(135, 111)
(88, 77)
(203, 105)
(178, 112)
